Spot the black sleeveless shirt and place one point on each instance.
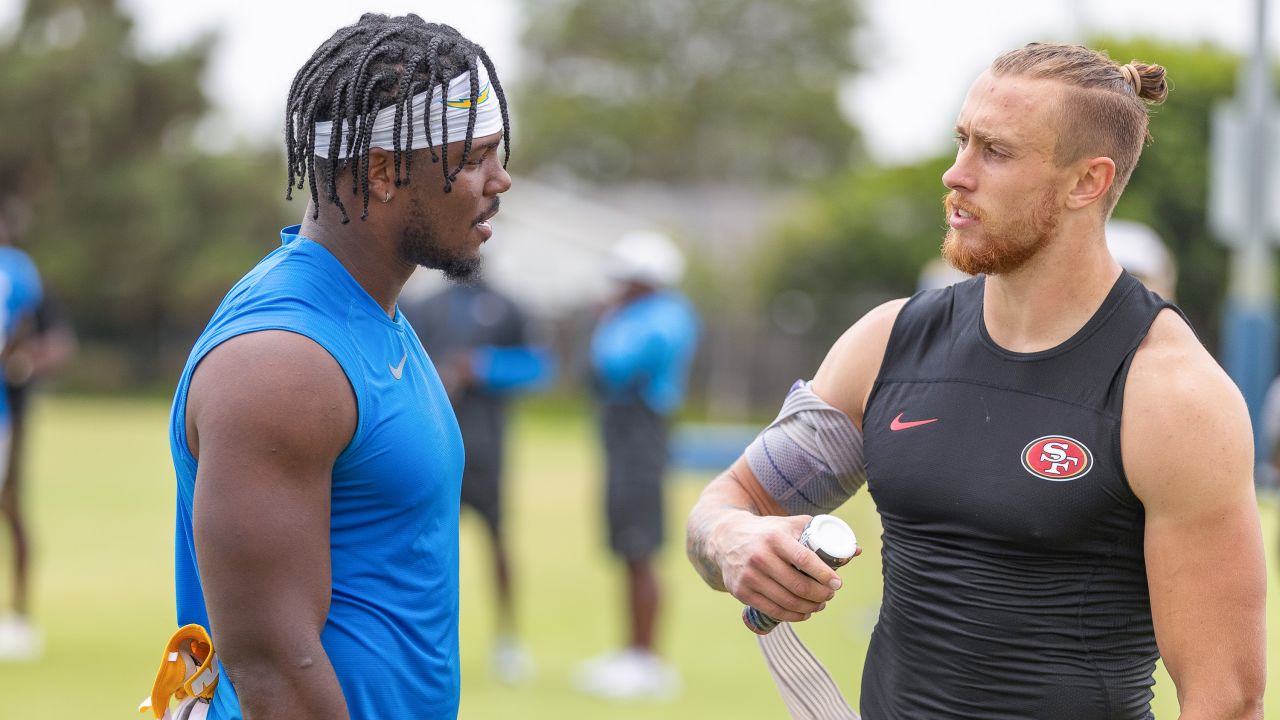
(1014, 578)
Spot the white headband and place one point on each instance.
(488, 118)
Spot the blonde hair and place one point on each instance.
(1104, 111)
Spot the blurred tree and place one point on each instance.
(860, 239)
(739, 90)
(138, 231)
(865, 234)
(722, 106)
(1169, 189)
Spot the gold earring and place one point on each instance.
(386, 198)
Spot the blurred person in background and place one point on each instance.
(1269, 463)
(21, 355)
(1062, 471)
(938, 273)
(318, 461)
(37, 355)
(479, 340)
(1142, 254)
(641, 350)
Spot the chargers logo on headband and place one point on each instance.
(429, 116)
(465, 102)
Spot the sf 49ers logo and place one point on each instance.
(1057, 457)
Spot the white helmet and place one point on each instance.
(1140, 251)
(646, 257)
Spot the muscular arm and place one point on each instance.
(734, 539)
(1188, 452)
(268, 413)
(738, 543)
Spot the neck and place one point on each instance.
(366, 250)
(1045, 302)
(635, 291)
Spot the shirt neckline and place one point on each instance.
(1123, 285)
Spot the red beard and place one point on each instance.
(1001, 246)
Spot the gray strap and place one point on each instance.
(833, 437)
(806, 687)
(810, 458)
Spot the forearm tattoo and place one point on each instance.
(698, 544)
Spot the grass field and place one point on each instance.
(102, 499)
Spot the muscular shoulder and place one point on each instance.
(847, 373)
(274, 392)
(1185, 428)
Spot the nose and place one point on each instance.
(959, 175)
(499, 182)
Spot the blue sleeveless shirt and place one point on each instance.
(20, 294)
(392, 629)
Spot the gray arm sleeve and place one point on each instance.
(810, 458)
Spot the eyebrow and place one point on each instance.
(984, 137)
(478, 149)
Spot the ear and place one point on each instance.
(382, 175)
(1093, 179)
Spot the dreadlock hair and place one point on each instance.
(1104, 110)
(376, 63)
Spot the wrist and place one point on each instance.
(706, 536)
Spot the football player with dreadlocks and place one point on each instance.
(318, 461)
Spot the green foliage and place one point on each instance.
(137, 231)
(867, 232)
(1169, 189)
(732, 89)
(860, 240)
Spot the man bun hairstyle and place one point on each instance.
(1104, 111)
(376, 63)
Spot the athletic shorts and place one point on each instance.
(483, 423)
(17, 395)
(6, 446)
(635, 442)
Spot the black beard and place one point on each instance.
(420, 251)
(463, 271)
(419, 246)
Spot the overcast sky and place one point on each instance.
(919, 55)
